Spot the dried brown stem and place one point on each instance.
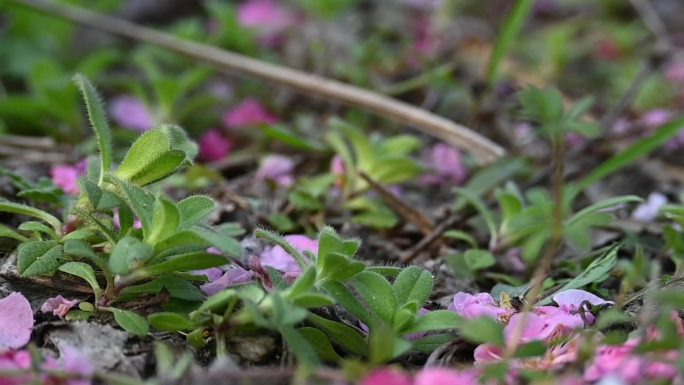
(402, 208)
(482, 148)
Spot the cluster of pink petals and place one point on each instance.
(429, 376)
(444, 166)
(130, 113)
(214, 146)
(58, 306)
(266, 17)
(279, 259)
(277, 169)
(66, 177)
(273, 256)
(72, 368)
(249, 113)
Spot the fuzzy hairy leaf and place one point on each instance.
(83, 271)
(165, 221)
(18, 208)
(413, 285)
(96, 115)
(144, 150)
(194, 209)
(38, 258)
(159, 168)
(131, 322)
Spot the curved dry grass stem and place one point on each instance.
(450, 132)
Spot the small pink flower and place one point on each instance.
(74, 362)
(442, 376)
(13, 361)
(249, 113)
(116, 221)
(445, 166)
(58, 306)
(213, 146)
(277, 258)
(479, 305)
(674, 72)
(130, 113)
(232, 277)
(386, 376)
(66, 178)
(648, 211)
(16, 321)
(655, 118)
(571, 300)
(277, 169)
(266, 17)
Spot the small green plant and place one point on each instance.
(102, 244)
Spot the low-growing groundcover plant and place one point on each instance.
(127, 240)
(494, 278)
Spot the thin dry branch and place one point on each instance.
(457, 135)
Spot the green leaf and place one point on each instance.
(413, 285)
(349, 338)
(83, 271)
(462, 236)
(597, 269)
(378, 295)
(159, 168)
(313, 300)
(305, 353)
(434, 320)
(303, 283)
(531, 349)
(338, 267)
(182, 289)
(603, 205)
(140, 201)
(165, 221)
(194, 209)
(180, 141)
(145, 150)
(482, 209)
(228, 245)
(169, 322)
(7, 232)
(347, 300)
(38, 258)
(97, 118)
(511, 29)
(128, 254)
(180, 243)
(131, 322)
(483, 330)
(477, 259)
(320, 343)
(18, 208)
(634, 152)
(488, 178)
(186, 262)
(78, 248)
(38, 228)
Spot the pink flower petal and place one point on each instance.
(74, 362)
(12, 361)
(445, 166)
(473, 306)
(16, 321)
(66, 178)
(265, 16)
(277, 169)
(441, 376)
(232, 277)
(130, 113)
(58, 306)
(277, 258)
(249, 113)
(213, 146)
(570, 300)
(386, 376)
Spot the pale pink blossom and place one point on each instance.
(277, 169)
(76, 367)
(279, 259)
(479, 305)
(58, 306)
(656, 118)
(12, 361)
(267, 17)
(444, 166)
(66, 178)
(130, 113)
(443, 376)
(74, 362)
(571, 300)
(248, 113)
(648, 211)
(213, 146)
(386, 376)
(16, 321)
(232, 277)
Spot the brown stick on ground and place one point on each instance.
(482, 148)
(407, 212)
